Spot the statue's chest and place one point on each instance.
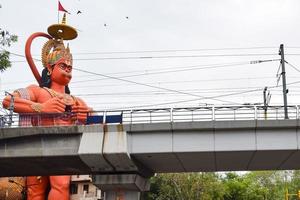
(48, 94)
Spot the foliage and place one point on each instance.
(4, 60)
(187, 186)
(5, 40)
(257, 185)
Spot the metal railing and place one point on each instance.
(184, 114)
(218, 113)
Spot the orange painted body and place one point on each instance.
(37, 187)
(49, 100)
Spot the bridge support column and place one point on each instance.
(122, 186)
(122, 195)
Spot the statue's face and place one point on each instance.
(62, 73)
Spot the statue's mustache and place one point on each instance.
(69, 75)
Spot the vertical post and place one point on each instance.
(286, 194)
(281, 52)
(171, 115)
(11, 108)
(265, 102)
(58, 12)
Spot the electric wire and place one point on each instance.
(251, 62)
(147, 85)
(172, 50)
(176, 56)
(159, 92)
(167, 57)
(166, 88)
(186, 68)
(295, 68)
(193, 67)
(185, 101)
(185, 81)
(197, 99)
(190, 68)
(18, 55)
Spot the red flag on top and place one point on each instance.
(61, 8)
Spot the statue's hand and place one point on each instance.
(54, 105)
(80, 112)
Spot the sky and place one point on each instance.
(173, 53)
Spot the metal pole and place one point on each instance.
(265, 102)
(11, 108)
(281, 52)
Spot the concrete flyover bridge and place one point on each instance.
(123, 156)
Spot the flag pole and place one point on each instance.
(58, 12)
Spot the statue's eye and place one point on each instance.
(64, 66)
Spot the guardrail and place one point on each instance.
(218, 113)
(184, 114)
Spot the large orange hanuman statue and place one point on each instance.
(52, 95)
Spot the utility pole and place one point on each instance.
(282, 61)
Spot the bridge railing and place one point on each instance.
(183, 114)
(220, 113)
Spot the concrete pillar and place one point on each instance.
(121, 186)
(122, 195)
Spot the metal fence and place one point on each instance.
(218, 113)
(184, 114)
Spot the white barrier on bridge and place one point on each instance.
(158, 115)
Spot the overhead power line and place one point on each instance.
(295, 68)
(187, 68)
(169, 82)
(147, 85)
(167, 57)
(190, 68)
(189, 100)
(197, 99)
(171, 50)
(177, 82)
(176, 56)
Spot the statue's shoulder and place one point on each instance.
(33, 87)
(36, 91)
(27, 91)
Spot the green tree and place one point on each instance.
(293, 183)
(235, 187)
(260, 185)
(256, 185)
(6, 39)
(267, 184)
(185, 186)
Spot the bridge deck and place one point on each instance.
(147, 148)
